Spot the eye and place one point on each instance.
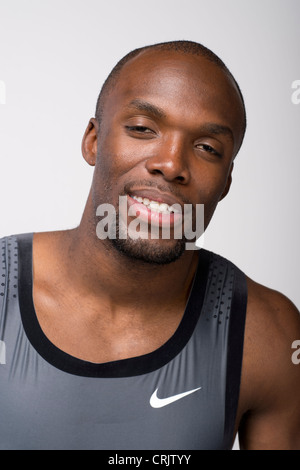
(209, 149)
(139, 129)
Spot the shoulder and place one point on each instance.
(269, 405)
(269, 376)
(272, 321)
(272, 309)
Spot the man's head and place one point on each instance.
(170, 119)
(183, 47)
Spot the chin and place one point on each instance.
(148, 252)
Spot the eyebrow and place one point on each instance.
(209, 128)
(141, 105)
(217, 129)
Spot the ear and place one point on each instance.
(89, 142)
(228, 183)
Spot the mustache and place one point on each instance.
(154, 185)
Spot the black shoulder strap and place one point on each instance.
(235, 352)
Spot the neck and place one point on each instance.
(98, 269)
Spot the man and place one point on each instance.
(123, 342)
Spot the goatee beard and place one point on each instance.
(147, 251)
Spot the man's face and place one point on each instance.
(170, 129)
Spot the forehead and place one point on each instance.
(180, 84)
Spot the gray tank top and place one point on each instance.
(183, 395)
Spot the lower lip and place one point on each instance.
(153, 217)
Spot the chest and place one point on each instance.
(93, 332)
(148, 403)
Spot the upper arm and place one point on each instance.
(270, 379)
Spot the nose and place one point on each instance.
(170, 161)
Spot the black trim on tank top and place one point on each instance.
(235, 353)
(121, 368)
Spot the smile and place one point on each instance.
(152, 212)
(152, 205)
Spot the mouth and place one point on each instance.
(155, 208)
(156, 200)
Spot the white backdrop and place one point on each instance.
(54, 57)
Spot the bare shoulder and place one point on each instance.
(272, 325)
(273, 322)
(270, 384)
(270, 313)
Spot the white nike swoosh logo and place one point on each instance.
(156, 402)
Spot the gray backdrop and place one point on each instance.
(54, 56)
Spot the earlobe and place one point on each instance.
(228, 183)
(89, 142)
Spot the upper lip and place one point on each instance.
(155, 195)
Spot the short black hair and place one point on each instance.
(181, 46)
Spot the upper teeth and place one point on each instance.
(154, 205)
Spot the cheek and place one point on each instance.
(116, 156)
(114, 161)
(209, 194)
(211, 184)
(209, 210)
